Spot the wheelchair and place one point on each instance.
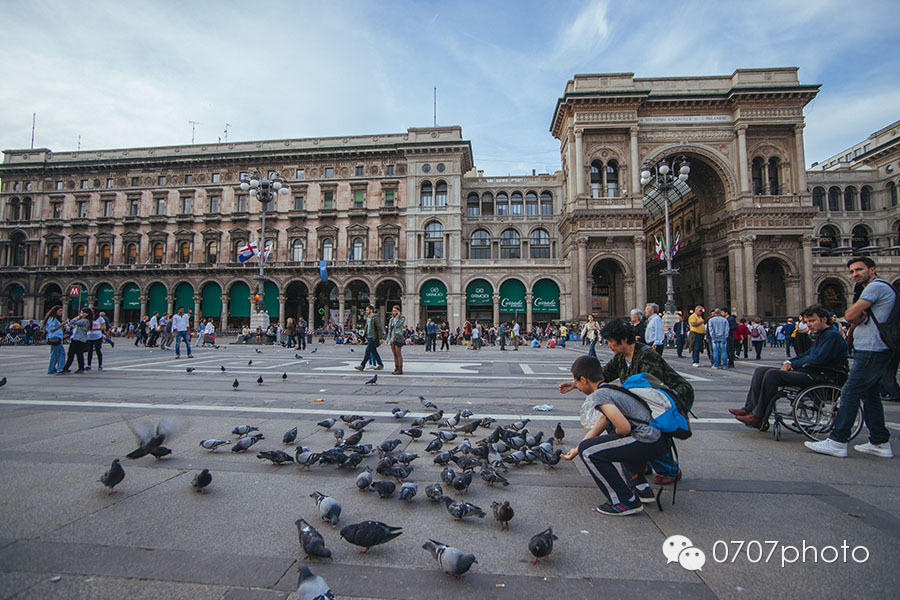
(810, 411)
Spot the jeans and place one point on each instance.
(95, 346)
(592, 349)
(371, 353)
(182, 335)
(430, 341)
(720, 353)
(698, 347)
(757, 347)
(679, 345)
(57, 359)
(862, 385)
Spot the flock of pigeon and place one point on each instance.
(491, 456)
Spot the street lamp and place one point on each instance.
(668, 177)
(265, 190)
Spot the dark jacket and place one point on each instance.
(647, 360)
(827, 355)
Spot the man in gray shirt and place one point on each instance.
(717, 330)
(871, 363)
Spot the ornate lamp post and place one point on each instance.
(264, 190)
(667, 178)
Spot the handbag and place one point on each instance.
(54, 341)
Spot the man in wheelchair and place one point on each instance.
(825, 361)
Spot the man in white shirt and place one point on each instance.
(153, 328)
(655, 335)
(180, 325)
(515, 334)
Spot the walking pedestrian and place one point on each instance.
(95, 342)
(373, 340)
(590, 333)
(757, 337)
(431, 330)
(78, 342)
(654, 333)
(301, 334)
(640, 326)
(787, 330)
(515, 335)
(53, 326)
(730, 340)
(697, 326)
(396, 338)
(717, 328)
(680, 330)
(181, 324)
(742, 338)
(445, 336)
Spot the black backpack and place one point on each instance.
(889, 330)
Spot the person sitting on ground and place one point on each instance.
(822, 362)
(245, 335)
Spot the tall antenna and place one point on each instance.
(33, 117)
(79, 142)
(194, 128)
(227, 127)
(435, 106)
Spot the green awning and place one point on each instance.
(271, 299)
(239, 300)
(77, 301)
(16, 291)
(545, 297)
(184, 296)
(158, 303)
(512, 296)
(131, 297)
(211, 300)
(434, 293)
(480, 293)
(105, 295)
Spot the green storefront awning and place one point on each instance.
(158, 303)
(211, 300)
(434, 293)
(131, 297)
(271, 299)
(545, 297)
(512, 296)
(105, 295)
(480, 293)
(239, 300)
(184, 296)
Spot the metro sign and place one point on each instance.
(74, 291)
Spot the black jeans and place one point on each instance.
(445, 343)
(95, 346)
(765, 384)
(758, 346)
(76, 350)
(301, 340)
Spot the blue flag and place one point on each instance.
(323, 271)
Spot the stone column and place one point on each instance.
(170, 300)
(635, 168)
(454, 307)
(281, 300)
(580, 304)
(496, 299)
(145, 309)
(808, 292)
(572, 175)
(196, 312)
(749, 276)
(628, 294)
(579, 162)
(223, 316)
(799, 163)
(792, 291)
(742, 158)
(411, 308)
(528, 319)
(341, 301)
(311, 310)
(640, 273)
(117, 309)
(736, 268)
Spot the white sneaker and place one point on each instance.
(828, 446)
(882, 450)
(695, 365)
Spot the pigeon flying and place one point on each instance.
(312, 587)
(541, 545)
(453, 562)
(369, 533)
(329, 508)
(201, 480)
(149, 439)
(113, 476)
(311, 540)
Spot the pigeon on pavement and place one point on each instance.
(190, 370)
(278, 457)
(373, 381)
(434, 492)
(329, 508)
(390, 445)
(461, 510)
(2, 382)
(360, 423)
(427, 403)
(311, 540)
(503, 513)
(305, 458)
(158, 453)
(541, 544)
(364, 479)
(326, 423)
(222, 368)
(259, 380)
(462, 481)
(452, 561)
(244, 443)
(213, 444)
(289, 436)
(312, 587)
(235, 384)
(297, 356)
(558, 433)
(113, 476)
(385, 489)
(283, 376)
(149, 439)
(243, 430)
(201, 480)
(369, 533)
(399, 413)
(258, 351)
(491, 476)
(408, 491)
(434, 445)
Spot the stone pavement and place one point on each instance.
(746, 500)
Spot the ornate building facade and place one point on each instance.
(405, 218)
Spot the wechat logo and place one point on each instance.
(678, 548)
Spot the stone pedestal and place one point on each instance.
(259, 319)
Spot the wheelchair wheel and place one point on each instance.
(815, 410)
(782, 412)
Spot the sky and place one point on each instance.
(113, 74)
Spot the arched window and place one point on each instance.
(510, 246)
(327, 249)
(159, 251)
(818, 197)
(53, 255)
(756, 175)
(774, 184)
(859, 237)
(12, 210)
(184, 252)
(892, 191)
(540, 244)
(18, 250)
(104, 254)
(356, 249)
(388, 248)
(612, 179)
(440, 194)
(516, 205)
(834, 199)
(596, 178)
(865, 198)
(829, 237)
(480, 247)
(78, 254)
(473, 205)
(26, 209)
(546, 203)
(212, 252)
(131, 254)
(502, 204)
(434, 240)
(425, 197)
(850, 198)
(297, 251)
(531, 204)
(487, 204)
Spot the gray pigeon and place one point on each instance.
(373, 381)
(503, 513)
(305, 458)
(384, 488)
(329, 508)
(434, 492)
(311, 540)
(491, 476)
(408, 491)
(462, 482)
(390, 445)
(244, 443)
(150, 439)
(312, 587)
(289, 436)
(243, 430)
(461, 510)
(434, 445)
(448, 475)
(401, 473)
(427, 403)
(399, 413)
(327, 423)
(453, 562)
(113, 476)
(541, 544)
(212, 444)
(359, 424)
(278, 457)
(364, 479)
(369, 533)
(201, 480)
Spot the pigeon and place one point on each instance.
(385, 488)
(533, 440)
(448, 475)
(406, 457)
(398, 413)
(329, 508)
(259, 380)
(289, 436)
(453, 421)
(520, 425)
(283, 376)
(305, 458)
(418, 422)
(390, 445)
(373, 381)
(443, 458)
(352, 461)
(235, 384)
(333, 457)
(401, 473)
(350, 418)
(213, 444)
(470, 427)
(243, 430)
(244, 443)
(249, 363)
(551, 459)
(453, 562)
(427, 403)
(412, 432)
(352, 350)
(444, 435)
(461, 510)
(435, 416)
(326, 423)
(312, 587)
(465, 462)
(466, 413)
(278, 457)
(369, 533)
(490, 476)
(408, 491)
(311, 540)
(201, 480)
(515, 457)
(434, 492)
(462, 482)
(465, 446)
(158, 453)
(434, 445)
(149, 439)
(503, 513)
(338, 435)
(353, 439)
(298, 357)
(113, 476)
(558, 433)
(190, 370)
(364, 479)
(222, 368)
(359, 424)
(2, 382)
(541, 544)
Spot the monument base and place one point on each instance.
(259, 319)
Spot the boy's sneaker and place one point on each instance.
(645, 495)
(695, 365)
(882, 450)
(621, 509)
(88, 368)
(99, 368)
(828, 446)
(379, 367)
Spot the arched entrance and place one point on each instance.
(15, 300)
(326, 304)
(76, 303)
(105, 301)
(771, 298)
(211, 301)
(296, 301)
(239, 304)
(433, 300)
(544, 302)
(607, 289)
(156, 299)
(387, 294)
(833, 296)
(512, 301)
(51, 296)
(131, 304)
(480, 301)
(356, 299)
(184, 297)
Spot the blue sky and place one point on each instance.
(124, 74)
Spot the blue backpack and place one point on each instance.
(664, 404)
